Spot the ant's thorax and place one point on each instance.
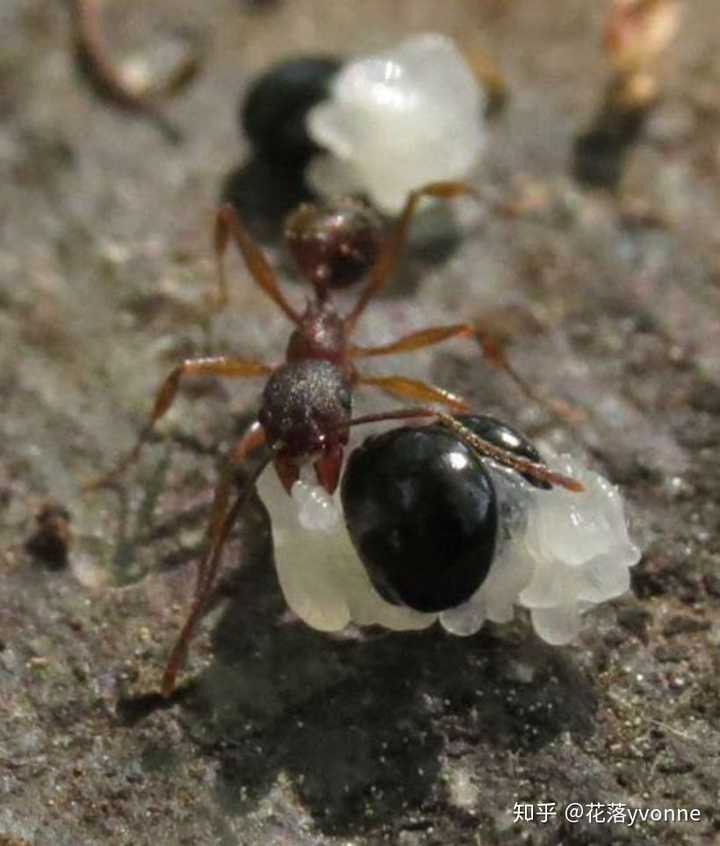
(320, 335)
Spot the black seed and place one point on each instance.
(422, 514)
(274, 112)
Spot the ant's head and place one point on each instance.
(334, 245)
(305, 406)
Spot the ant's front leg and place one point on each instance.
(229, 226)
(222, 519)
(415, 391)
(223, 366)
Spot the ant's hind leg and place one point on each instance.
(393, 246)
(228, 225)
(222, 519)
(228, 368)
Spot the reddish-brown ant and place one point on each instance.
(305, 408)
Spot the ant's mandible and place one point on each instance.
(305, 407)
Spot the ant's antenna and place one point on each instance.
(478, 445)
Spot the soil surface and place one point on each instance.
(279, 734)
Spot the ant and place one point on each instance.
(305, 407)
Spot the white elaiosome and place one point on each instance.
(322, 578)
(405, 117)
(558, 554)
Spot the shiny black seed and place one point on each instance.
(274, 112)
(422, 514)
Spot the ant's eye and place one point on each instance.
(345, 399)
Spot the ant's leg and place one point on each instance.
(492, 351)
(222, 519)
(253, 440)
(391, 249)
(93, 57)
(495, 354)
(416, 391)
(228, 368)
(228, 225)
(416, 340)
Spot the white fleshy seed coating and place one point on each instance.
(558, 554)
(323, 580)
(581, 551)
(410, 115)
(316, 509)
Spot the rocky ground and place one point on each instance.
(283, 735)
